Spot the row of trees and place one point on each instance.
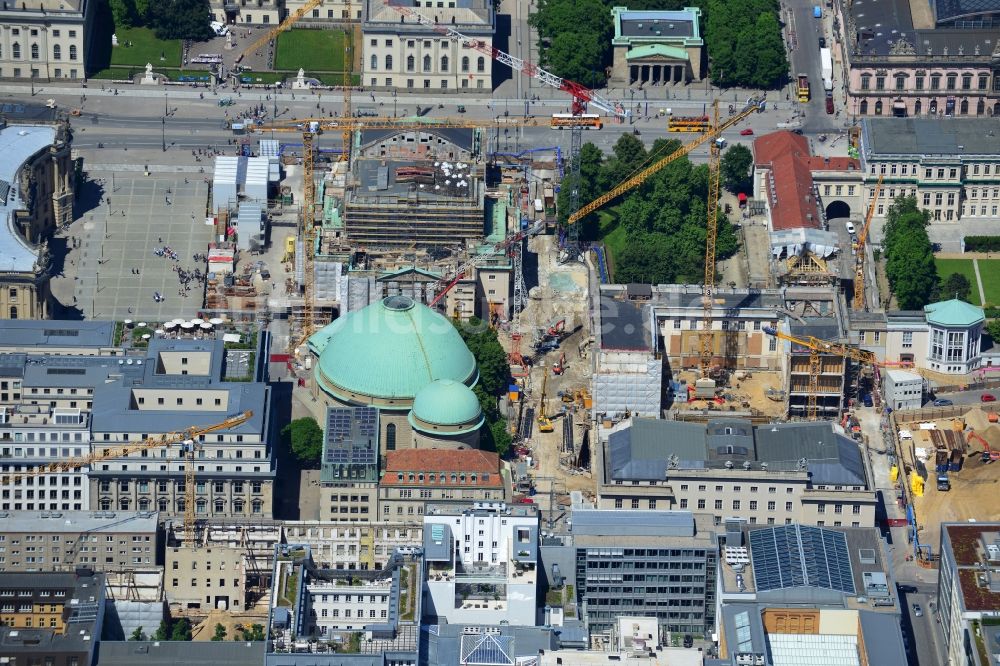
(742, 38)
(909, 256)
(494, 378)
(664, 218)
(169, 19)
(745, 48)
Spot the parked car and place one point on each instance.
(908, 589)
(688, 640)
(746, 132)
(987, 397)
(822, 42)
(867, 399)
(917, 610)
(943, 402)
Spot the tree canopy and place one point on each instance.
(170, 19)
(955, 285)
(744, 44)
(494, 377)
(304, 438)
(909, 256)
(734, 168)
(664, 218)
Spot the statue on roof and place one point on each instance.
(901, 47)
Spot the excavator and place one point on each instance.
(989, 453)
(560, 366)
(544, 422)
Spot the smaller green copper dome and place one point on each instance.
(446, 402)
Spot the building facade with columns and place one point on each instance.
(46, 41)
(36, 197)
(920, 60)
(656, 47)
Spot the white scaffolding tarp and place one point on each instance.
(629, 387)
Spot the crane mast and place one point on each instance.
(711, 231)
(859, 258)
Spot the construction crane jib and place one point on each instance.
(859, 250)
(753, 106)
(582, 96)
(280, 28)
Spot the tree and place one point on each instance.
(957, 286)
(181, 631)
(574, 38)
(304, 438)
(122, 11)
(993, 328)
(256, 632)
(909, 257)
(220, 632)
(501, 437)
(181, 19)
(137, 635)
(734, 168)
(482, 341)
(163, 632)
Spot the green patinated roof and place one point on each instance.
(662, 50)
(392, 349)
(407, 271)
(447, 403)
(953, 313)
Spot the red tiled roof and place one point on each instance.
(435, 467)
(786, 155)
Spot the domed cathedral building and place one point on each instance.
(410, 363)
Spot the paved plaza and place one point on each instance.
(136, 215)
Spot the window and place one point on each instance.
(390, 437)
(952, 80)
(866, 81)
(388, 62)
(736, 505)
(907, 339)
(481, 64)
(72, 48)
(701, 504)
(34, 53)
(635, 504)
(444, 63)
(410, 63)
(57, 52)
(935, 81)
(967, 82)
(879, 83)
(718, 505)
(770, 506)
(465, 63)
(427, 63)
(919, 83)
(374, 62)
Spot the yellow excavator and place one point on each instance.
(544, 422)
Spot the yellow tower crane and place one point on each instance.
(640, 177)
(544, 422)
(289, 21)
(707, 338)
(188, 438)
(860, 302)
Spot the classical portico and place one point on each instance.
(656, 47)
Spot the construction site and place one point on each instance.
(947, 467)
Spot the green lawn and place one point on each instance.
(614, 237)
(146, 48)
(989, 270)
(946, 267)
(311, 50)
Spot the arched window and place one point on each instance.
(72, 51)
(481, 64)
(238, 505)
(964, 107)
(388, 62)
(13, 312)
(374, 62)
(427, 63)
(180, 504)
(257, 506)
(105, 504)
(878, 108)
(220, 505)
(16, 48)
(444, 63)
(57, 52)
(390, 437)
(410, 63)
(34, 51)
(980, 108)
(465, 63)
(124, 503)
(917, 108)
(161, 504)
(932, 109)
(996, 109)
(144, 504)
(864, 107)
(201, 506)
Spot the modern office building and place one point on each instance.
(400, 53)
(776, 474)
(47, 42)
(64, 541)
(969, 591)
(36, 198)
(349, 468)
(481, 564)
(950, 166)
(51, 618)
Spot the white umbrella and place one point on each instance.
(142, 324)
(128, 322)
(187, 326)
(170, 325)
(159, 331)
(205, 326)
(216, 321)
(179, 321)
(146, 336)
(197, 321)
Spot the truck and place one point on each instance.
(826, 67)
(943, 484)
(803, 89)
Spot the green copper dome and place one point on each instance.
(391, 350)
(447, 403)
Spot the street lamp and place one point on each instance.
(33, 72)
(163, 133)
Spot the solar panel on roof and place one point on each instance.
(798, 555)
(744, 641)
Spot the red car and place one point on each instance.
(746, 132)
(987, 397)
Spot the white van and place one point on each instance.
(219, 28)
(850, 228)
